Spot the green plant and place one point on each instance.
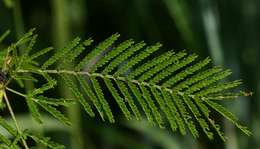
(171, 86)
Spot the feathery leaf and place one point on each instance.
(172, 88)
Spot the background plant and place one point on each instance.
(143, 9)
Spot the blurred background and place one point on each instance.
(227, 31)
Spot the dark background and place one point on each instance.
(227, 31)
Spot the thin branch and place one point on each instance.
(14, 119)
(14, 91)
(100, 76)
(20, 94)
(71, 72)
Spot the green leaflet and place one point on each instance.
(164, 108)
(169, 70)
(142, 102)
(79, 49)
(152, 106)
(185, 115)
(205, 112)
(219, 87)
(33, 109)
(121, 58)
(20, 79)
(17, 138)
(161, 66)
(198, 77)
(95, 52)
(26, 78)
(25, 38)
(55, 101)
(112, 54)
(4, 35)
(46, 141)
(151, 63)
(74, 53)
(120, 101)
(228, 115)
(169, 101)
(196, 113)
(4, 140)
(61, 53)
(227, 95)
(6, 126)
(29, 65)
(43, 88)
(135, 60)
(123, 88)
(40, 53)
(69, 82)
(87, 89)
(188, 71)
(102, 99)
(30, 46)
(13, 132)
(206, 82)
(56, 113)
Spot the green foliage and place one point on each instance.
(171, 88)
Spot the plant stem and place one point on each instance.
(60, 23)
(18, 20)
(14, 119)
(14, 91)
(61, 35)
(125, 79)
(182, 15)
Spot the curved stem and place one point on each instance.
(14, 119)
